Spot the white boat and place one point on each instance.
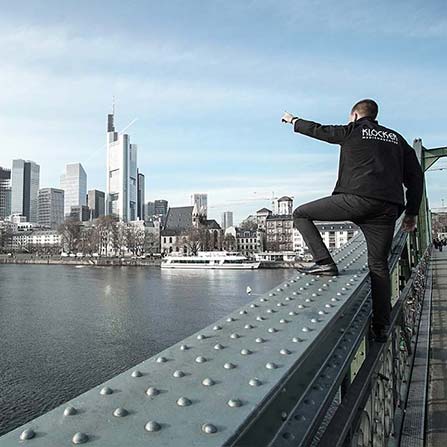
(209, 260)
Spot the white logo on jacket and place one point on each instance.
(382, 135)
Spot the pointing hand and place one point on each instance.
(287, 118)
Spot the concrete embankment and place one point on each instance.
(81, 261)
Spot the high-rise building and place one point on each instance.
(201, 202)
(140, 195)
(25, 189)
(121, 194)
(74, 184)
(5, 192)
(51, 207)
(79, 212)
(149, 210)
(161, 207)
(227, 219)
(96, 203)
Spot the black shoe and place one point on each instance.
(316, 269)
(380, 333)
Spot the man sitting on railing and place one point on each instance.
(374, 163)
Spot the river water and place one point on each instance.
(64, 330)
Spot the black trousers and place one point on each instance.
(376, 219)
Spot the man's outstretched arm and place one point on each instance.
(330, 134)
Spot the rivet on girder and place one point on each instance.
(79, 438)
(259, 318)
(120, 412)
(243, 312)
(178, 373)
(70, 411)
(234, 335)
(271, 365)
(305, 329)
(234, 403)
(280, 304)
(230, 319)
(300, 306)
(271, 294)
(208, 382)
(183, 402)
(218, 346)
(106, 390)
(291, 313)
(284, 351)
(161, 360)
(248, 326)
(200, 359)
(254, 382)
(229, 365)
(209, 428)
(272, 330)
(288, 298)
(297, 340)
(296, 293)
(217, 328)
(253, 305)
(152, 391)
(263, 300)
(136, 373)
(27, 434)
(152, 426)
(259, 340)
(308, 300)
(201, 337)
(184, 347)
(279, 289)
(313, 320)
(245, 351)
(270, 311)
(283, 321)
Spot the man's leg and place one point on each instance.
(378, 240)
(338, 207)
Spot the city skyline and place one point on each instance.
(199, 114)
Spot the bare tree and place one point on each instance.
(229, 242)
(249, 223)
(70, 232)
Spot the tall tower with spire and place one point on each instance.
(121, 192)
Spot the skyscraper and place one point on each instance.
(140, 195)
(51, 207)
(96, 203)
(74, 184)
(149, 211)
(227, 219)
(25, 189)
(5, 193)
(121, 194)
(201, 202)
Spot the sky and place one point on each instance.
(205, 84)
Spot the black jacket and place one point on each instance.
(374, 161)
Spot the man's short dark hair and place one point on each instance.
(366, 107)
